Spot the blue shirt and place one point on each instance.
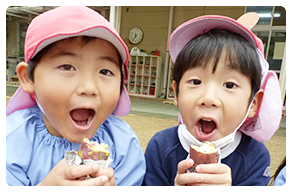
(249, 163)
(281, 177)
(31, 151)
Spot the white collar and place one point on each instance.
(226, 144)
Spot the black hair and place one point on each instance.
(208, 47)
(37, 58)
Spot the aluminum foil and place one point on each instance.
(74, 159)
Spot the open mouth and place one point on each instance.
(82, 117)
(206, 128)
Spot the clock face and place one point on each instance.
(135, 35)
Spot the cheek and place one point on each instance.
(52, 95)
(112, 98)
(186, 105)
(109, 93)
(234, 114)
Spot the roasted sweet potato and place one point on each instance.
(205, 154)
(93, 150)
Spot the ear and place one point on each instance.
(256, 103)
(175, 94)
(25, 82)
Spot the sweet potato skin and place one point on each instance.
(85, 152)
(203, 158)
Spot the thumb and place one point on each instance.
(184, 165)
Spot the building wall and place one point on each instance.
(153, 20)
(11, 37)
(185, 13)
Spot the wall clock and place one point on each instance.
(135, 35)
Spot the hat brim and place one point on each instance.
(97, 31)
(124, 105)
(185, 32)
(19, 100)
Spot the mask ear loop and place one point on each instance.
(221, 143)
(39, 105)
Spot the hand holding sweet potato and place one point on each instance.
(202, 168)
(206, 174)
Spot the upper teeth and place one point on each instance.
(207, 120)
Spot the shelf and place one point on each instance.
(144, 71)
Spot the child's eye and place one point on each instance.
(105, 72)
(230, 85)
(195, 82)
(67, 67)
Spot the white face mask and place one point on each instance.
(226, 144)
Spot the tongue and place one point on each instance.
(207, 126)
(80, 114)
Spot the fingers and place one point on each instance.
(74, 172)
(182, 178)
(208, 174)
(109, 172)
(64, 174)
(80, 171)
(201, 179)
(101, 177)
(98, 181)
(212, 168)
(184, 165)
(217, 174)
(188, 179)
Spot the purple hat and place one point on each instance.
(65, 22)
(266, 122)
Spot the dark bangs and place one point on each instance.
(207, 48)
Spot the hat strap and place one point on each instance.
(126, 72)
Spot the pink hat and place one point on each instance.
(61, 23)
(263, 125)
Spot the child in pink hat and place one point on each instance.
(226, 95)
(71, 88)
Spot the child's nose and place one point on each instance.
(210, 98)
(87, 86)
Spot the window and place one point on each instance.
(271, 29)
